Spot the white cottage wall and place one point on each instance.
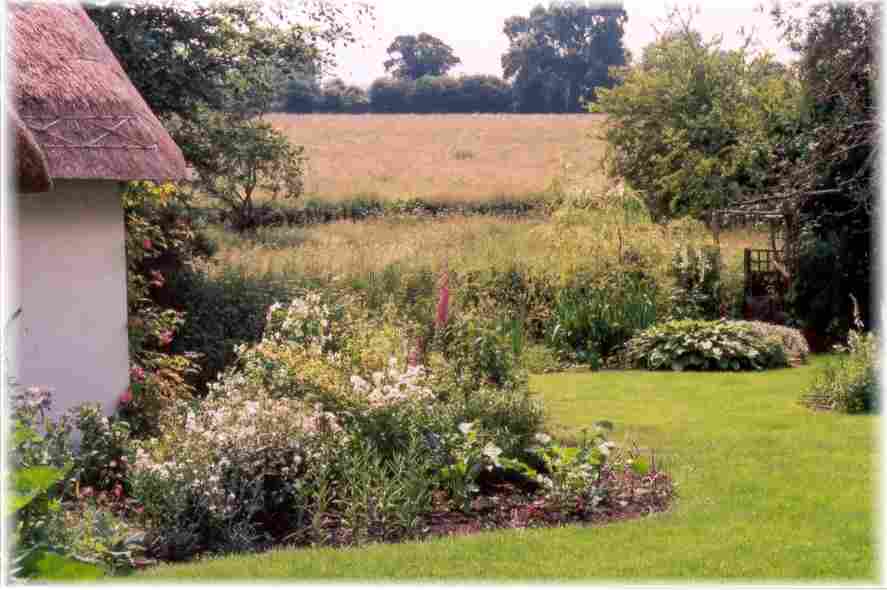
(72, 331)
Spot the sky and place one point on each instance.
(473, 28)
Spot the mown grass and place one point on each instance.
(768, 491)
(444, 158)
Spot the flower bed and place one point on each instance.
(314, 438)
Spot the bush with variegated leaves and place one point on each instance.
(704, 345)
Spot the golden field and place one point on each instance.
(444, 157)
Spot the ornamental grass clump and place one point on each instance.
(704, 345)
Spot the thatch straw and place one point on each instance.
(30, 165)
(71, 92)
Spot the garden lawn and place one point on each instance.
(768, 491)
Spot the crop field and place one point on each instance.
(444, 157)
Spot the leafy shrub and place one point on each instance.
(245, 463)
(104, 445)
(470, 455)
(697, 291)
(236, 155)
(793, 342)
(571, 476)
(704, 345)
(222, 310)
(219, 469)
(477, 353)
(695, 125)
(384, 497)
(851, 384)
(40, 461)
(593, 317)
(539, 359)
(95, 534)
(162, 242)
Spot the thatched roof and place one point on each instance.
(31, 167)
(85, 114)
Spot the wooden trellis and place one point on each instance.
(765, 269)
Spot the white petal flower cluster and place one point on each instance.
(237, 439)
(306, 320)
(394, 385)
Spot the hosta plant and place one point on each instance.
(704, 345)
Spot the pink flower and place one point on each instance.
(443, 302)
(147, 244)
(126, 396)
(157, 279)
(165, 338)
(137, 374)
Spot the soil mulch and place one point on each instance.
(501, 505)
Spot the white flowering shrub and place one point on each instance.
(327, 419)
(308, 321)
(216, 470)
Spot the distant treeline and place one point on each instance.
(428, 94)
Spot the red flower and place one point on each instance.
(147, 244)
(165, 338)
(126, 397)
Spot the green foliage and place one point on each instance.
(391, 95)
(30, 482)
(180, 56)
(539, 359)
(470, 455)
(849, 384)
(477, 353)
(441, 94)
(39, 461)
(697, 291)
(559, 56)
(571, 476)
(163, 242)
(828, 170)
(793, 342)
(221, 310)
(336, 97)
(704, 345)
(236, 158)
(693, 126)
(50, 566)
(595, 315)
(104, 446)
(382, 498)
(322, 420)
(411, 57)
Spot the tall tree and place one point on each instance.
(693, 127)
(829, 168)
(558, 55)
(211, 70)
(411, 57)
(182, 54)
